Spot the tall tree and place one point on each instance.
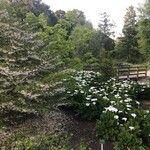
(106, 29)
(39, 8)
(80, 38)
(144, 30)
(105, 24)
(102, 41)
(129, 42)
(60, 14)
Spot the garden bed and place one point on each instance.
(115, 107)
(60, 121)
(94, 111)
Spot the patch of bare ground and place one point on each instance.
(59, 121)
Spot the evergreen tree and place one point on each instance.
(102, 41)
(60, 14)
(129, 42)
(144, 30)
(105, 25)
(106, 32)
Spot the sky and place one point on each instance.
(92, 9)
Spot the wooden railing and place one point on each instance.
(128, 71)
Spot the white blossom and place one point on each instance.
(94, 103)
(128, 105)
(112, 102)
(88, 98)
(106, 98)
(133, 115)
(87, 104)
(94, 99)
(111, 108)
(131, 128)
(128, 100)
(116, 116)
(125, 119)
(138, 102)
(82, 91)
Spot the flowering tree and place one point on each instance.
(23, 69)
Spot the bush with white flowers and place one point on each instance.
(114, 104)
(90, 95)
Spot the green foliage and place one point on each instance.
(83, 147)
(76, 17)
(80, 38)
(89, 93)
(107, 68)
(37, 48)
(129, 130)
(76, 94)
(127, 46)
(60, 14)
(23, 92)
(107, 127)
(42, 142)
(100, 42)
(128, 140)
(143, 30)
(90, 62)
(4, 4)
(36, 23)
(113, 103)
(105, 24)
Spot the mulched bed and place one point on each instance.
(60, 121)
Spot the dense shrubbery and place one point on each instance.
(52, 142)
(144, 95)
(126, 128)
(87, 92)
(114, 104)
(41, 142)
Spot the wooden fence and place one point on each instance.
(128, 72)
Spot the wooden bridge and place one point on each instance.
(125, 71)
(132, 72)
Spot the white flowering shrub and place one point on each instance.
(129, 129)
(90, 95)
(114, 103)
(82, 93)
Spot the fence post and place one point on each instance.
(137, 72)
(102, 142)
(146, 71)
(128, 72)
(102, 146)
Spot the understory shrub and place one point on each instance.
(128, 129)
(41, 142)
(144, 95)
(107, 68)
